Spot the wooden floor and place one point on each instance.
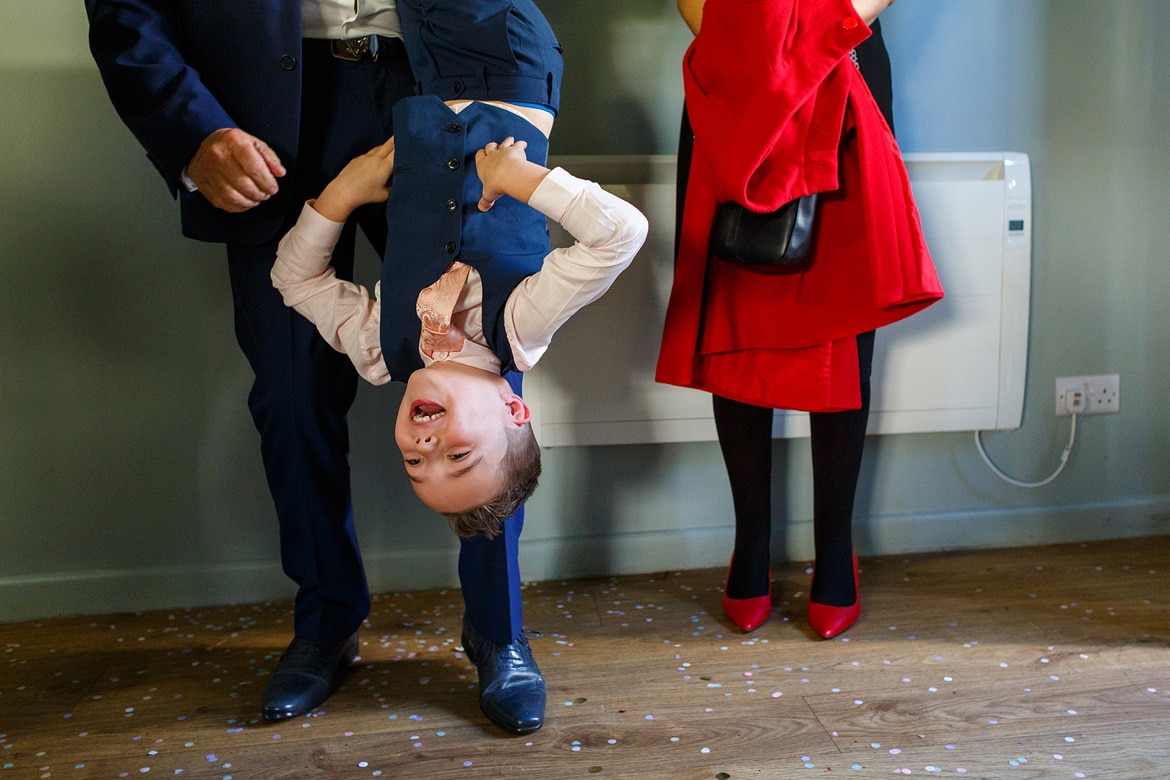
(1048, 662)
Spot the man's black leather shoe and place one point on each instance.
(307, 674)
(511, 687)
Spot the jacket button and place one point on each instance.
(452, 205)
(454, 127)
(450, 247)
(457, 87)
(288, 62)
(453, 164)
(848, 23)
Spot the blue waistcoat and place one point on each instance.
(433, 219)
(482, 50)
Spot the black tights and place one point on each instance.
(838, 438)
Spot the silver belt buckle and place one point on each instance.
(364, 49)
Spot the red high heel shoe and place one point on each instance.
(748, 614)
(829, 621)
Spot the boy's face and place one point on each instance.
(451, 429)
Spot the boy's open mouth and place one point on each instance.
(426, 411)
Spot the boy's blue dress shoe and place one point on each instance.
(511, 687)
(306, 675)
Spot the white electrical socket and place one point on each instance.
(1100, 394)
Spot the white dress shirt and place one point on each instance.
(340, 19)
(608, 232)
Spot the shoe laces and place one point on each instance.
(515, 654)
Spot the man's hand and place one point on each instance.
(234, 170)
(364, 179)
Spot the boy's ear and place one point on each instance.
(517, 409)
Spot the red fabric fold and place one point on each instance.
(769, 128)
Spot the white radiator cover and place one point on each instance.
(959, 365)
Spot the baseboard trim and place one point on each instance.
(135, 590)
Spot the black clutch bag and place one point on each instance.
(778, 240)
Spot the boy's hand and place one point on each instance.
(497, 165)
(364, 179)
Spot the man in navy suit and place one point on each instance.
(247, 109)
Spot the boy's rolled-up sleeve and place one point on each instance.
(608, 232)
(345, 315)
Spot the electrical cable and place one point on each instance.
(1072, 436)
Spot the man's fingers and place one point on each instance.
(235, 171)
(271, 159)
(252, 175)
(234, 203)
(226, 197)
(233, 193)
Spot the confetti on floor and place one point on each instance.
(1051, 661)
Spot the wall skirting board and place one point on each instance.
(134, 590)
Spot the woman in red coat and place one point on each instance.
(777, 94)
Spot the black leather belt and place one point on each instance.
(368, 48)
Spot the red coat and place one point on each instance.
(771, 92)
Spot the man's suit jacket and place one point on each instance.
(177, 71)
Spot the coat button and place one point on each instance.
(453, 164)
(288, 62)
(454, 127)
(848, 23)
(450, 247)
(457, 87)
(452, 205)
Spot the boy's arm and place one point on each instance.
(608, 232)
(343, 312)
(364, 179)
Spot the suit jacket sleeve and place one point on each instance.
(767, 83)
(139, 47)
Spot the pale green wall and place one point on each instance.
(129, 469)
